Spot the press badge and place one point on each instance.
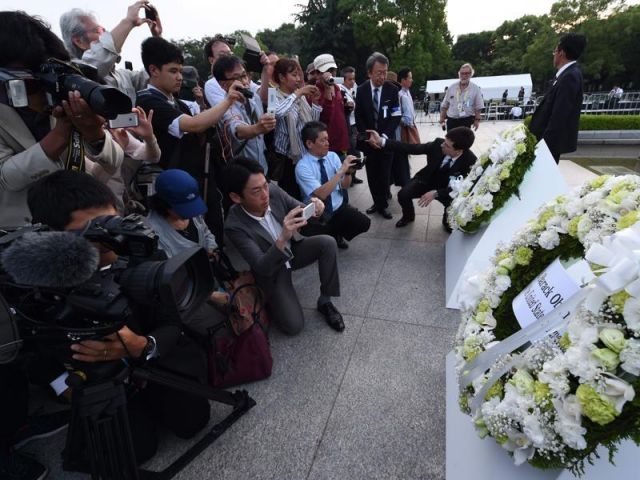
(384, 111)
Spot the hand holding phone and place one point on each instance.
(362, 136)
(309, 211)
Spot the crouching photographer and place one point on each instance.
(126, 313)
(51, 116)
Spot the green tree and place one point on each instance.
(568, 14)
(193, 52)
(474, 48)
(284, 40)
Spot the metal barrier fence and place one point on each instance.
(598, 103)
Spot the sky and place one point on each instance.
(199, 18)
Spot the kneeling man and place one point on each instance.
(320, 174)
(263, 225)
(447, 158)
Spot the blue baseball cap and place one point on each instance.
(180, 190)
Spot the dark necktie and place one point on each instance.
(446, 163)
(376, 102)
(324, 178)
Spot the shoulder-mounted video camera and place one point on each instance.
(53, 292)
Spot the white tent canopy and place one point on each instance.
(492, 87)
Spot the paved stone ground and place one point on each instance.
(365, 404)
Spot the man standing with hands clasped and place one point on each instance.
(557, 117)
(462, 105)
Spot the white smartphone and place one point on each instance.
(309, 211)
(124, 120)
(272, 101)
(338, 80)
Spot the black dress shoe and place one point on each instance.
(371, 209)
(342, 243)
(404, 221)
(332, 316)
(385, 214)
(356, 181)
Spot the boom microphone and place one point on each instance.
(50, 259)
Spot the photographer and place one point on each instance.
(35, 141)
(181, 134)
(217, 48)
(68, 201)
(90, 42)
(245, 121)
(320, 174)
(332, 103)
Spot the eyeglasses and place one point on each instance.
(240, 76)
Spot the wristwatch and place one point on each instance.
(149, 350)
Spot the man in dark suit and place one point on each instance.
(378, 108)
(557, 117)
(263, 225)
(447, 158)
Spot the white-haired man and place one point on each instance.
(462, 104)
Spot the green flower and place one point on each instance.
(502, 271)
(541, 393)
(599, 182)
(595, 407)
(501, 256)
(629, 219)
(496, 390)
(617, 301)
(460, 221)
(481, 427)
(465, 193)
(484, 159)
(483, 306)
(523, 255)
(624, 186)
(613, 339)
(521, 148)
(463, 402)
(478, 210)
(572, 228)
(504, 173)
(523, 381)
(544, 217)
(565, 341)
(508, 263)
(471, 348)
(608, 358)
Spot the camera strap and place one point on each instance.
(75, 152)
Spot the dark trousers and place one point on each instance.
(14, 402)
(400, 169)
(282, 300)
(288, 178)
(414, 189)
(459, 122)
(345, 222)
(378, 168)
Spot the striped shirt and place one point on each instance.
(283, 109)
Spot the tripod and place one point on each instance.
(99, 429)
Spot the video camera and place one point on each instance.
(52, 291)
(57, 78)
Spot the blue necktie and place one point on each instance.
(324, 178)
(447, 161)
(376, 102)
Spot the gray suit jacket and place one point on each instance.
(23, 162)
(253, 242)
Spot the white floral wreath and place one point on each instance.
(497, 172)
(555, 402)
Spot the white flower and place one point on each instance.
(549, 239)
(520, 445)
(617, 391)
(631, 313)
(503, 282)
(630, 357)
(567, 422)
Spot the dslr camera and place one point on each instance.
(57, 78)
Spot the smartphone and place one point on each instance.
(272, 100)
(124, 120)
(150, 12)
(309, 211)
(362, 136)
(338, 80)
